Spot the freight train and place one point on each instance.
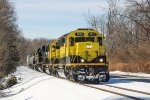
(79, 55)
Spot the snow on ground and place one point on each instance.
(40, 86)
(131, 74)
(142, 86)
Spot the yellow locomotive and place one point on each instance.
(79, 56)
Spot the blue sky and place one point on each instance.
(53, 18)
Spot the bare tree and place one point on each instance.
(29, 47)
(127, 34)
(97, 22)
(9, 56)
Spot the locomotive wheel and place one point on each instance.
(97, 81)
(54, 72)
(36, 68)
(66, 72)
(39, 68)
(107, 77)
(50, 71)
(43, 69)
(32, 67)
(75, 77)
(72, 75)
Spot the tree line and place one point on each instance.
(127, 31)
(9, 56)
(14, 48)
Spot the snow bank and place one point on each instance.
(131, 74)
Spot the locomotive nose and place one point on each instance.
(87, 51)
(89, 45)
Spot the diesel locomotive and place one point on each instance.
(79, 55)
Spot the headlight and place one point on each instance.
(89, 46)
(82, 60)
(101, 60)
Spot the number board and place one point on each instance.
(79, 34)
(92, 34)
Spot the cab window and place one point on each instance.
(47, 48)
(80, 39)
(61, 42)
(91, 39)
(100, 40)
(71, 41)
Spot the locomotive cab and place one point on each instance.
(45, 50)
(82, 53)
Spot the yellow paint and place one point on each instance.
(79, 49)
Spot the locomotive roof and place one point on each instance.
(65, 35)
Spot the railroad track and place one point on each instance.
(113, 92)
(110, 91)
(146, 93)
(116, 93)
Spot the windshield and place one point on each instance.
(91, 39)
(80, 39)
(84, 39)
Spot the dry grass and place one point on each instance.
(132, 59)
(137, 67)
